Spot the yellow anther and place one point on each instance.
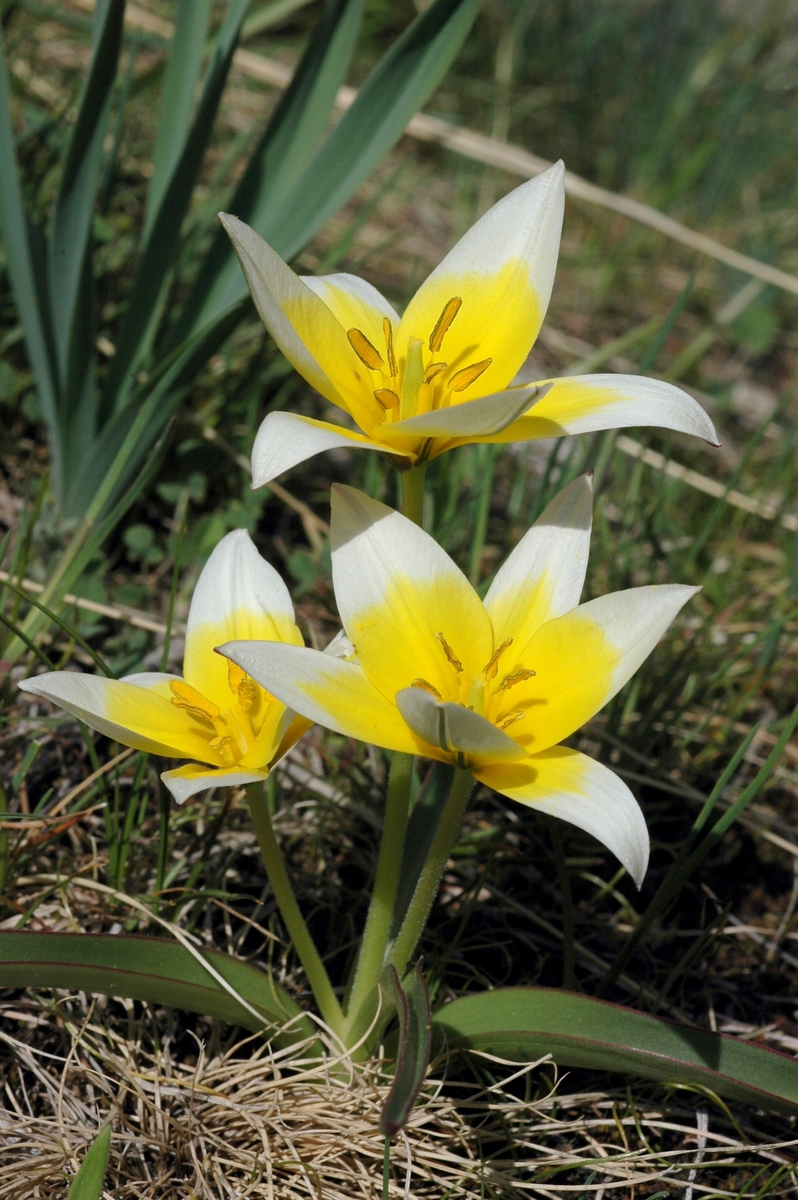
(387, 329)
(434, 369)
(235, 676)
(450, 654)
(219, 743)
(386, 398)
(516, 677)
(427, 687)
(188, 698)
(369, 355)
(463, 379)
(511, 718)
(247, 694)
(493, 665)
(450, 310)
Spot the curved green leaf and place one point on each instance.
(411, 1000)
(88, 1183)
(157, 970)
(523, 1024)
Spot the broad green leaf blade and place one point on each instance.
(157, 970)
(283, 152)
(69, 268)
(145, 297)
(24, 267)
(411, 1000)
(177, 101)
(523, 1024)
(398, 86)
(88, 1183)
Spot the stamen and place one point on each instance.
(386, 398)
(219, 743)
(247, 694)
(490, 670)
(387, 329)
(369, 355)
(450, 654)
(463, 379)
(450, 310)
(427, 687)
(516, 677)
(434, 369)
(511, 718)
(235, 676)
(186, 697)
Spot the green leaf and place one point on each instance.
(398, 86)
(283, 152)
(524, 1024)
(88, 1183)
(411, 1000)
(158, 970)
(421, 829)
(177, 101)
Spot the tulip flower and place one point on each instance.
(493, 686)
(229, 727)
(441, 376)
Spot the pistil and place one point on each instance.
(413, 378)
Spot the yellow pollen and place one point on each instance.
(247, 694)
(511, 718)
(386, 398)
(235, 676)
(434, 369)
(387, 329)
(186, 697)
(219, 743)
(369, 355)
(490, 670)
(450, 654)
(450, 310)
(463, 379)
(516, 677)
(427, 687)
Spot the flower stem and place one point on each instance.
(386, 881)
(302, 942)
(413, 493)
(432, 871)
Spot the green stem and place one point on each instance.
(298, 932)
(386, 881)
(413, 493)
(432, 871)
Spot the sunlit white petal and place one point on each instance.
(186, 781)
(475, 418)
(286, 439)
(453, 728)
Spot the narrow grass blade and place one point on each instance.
(524, 1024)
(270, 14)
(88, 1183)
(177, 100)
(399, 84)
(157, 970)
(283, 152)
(411, 999)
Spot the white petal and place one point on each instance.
(455, 729)
(575, 788)
(585, 403)
(186, 781)
(544, 575)
(329, 690)
(238, 595)
(294, 315)
(285, 439)
(475, 418)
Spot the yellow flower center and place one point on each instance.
(422, 382)
(229, 729)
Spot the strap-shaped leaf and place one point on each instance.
(88, 1183)
(411, 1000)
(400, 83)
(524, 1024)
(157, 970)
(284, 150)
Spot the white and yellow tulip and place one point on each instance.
(215, 715)
(494, 686)
(441, 376)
